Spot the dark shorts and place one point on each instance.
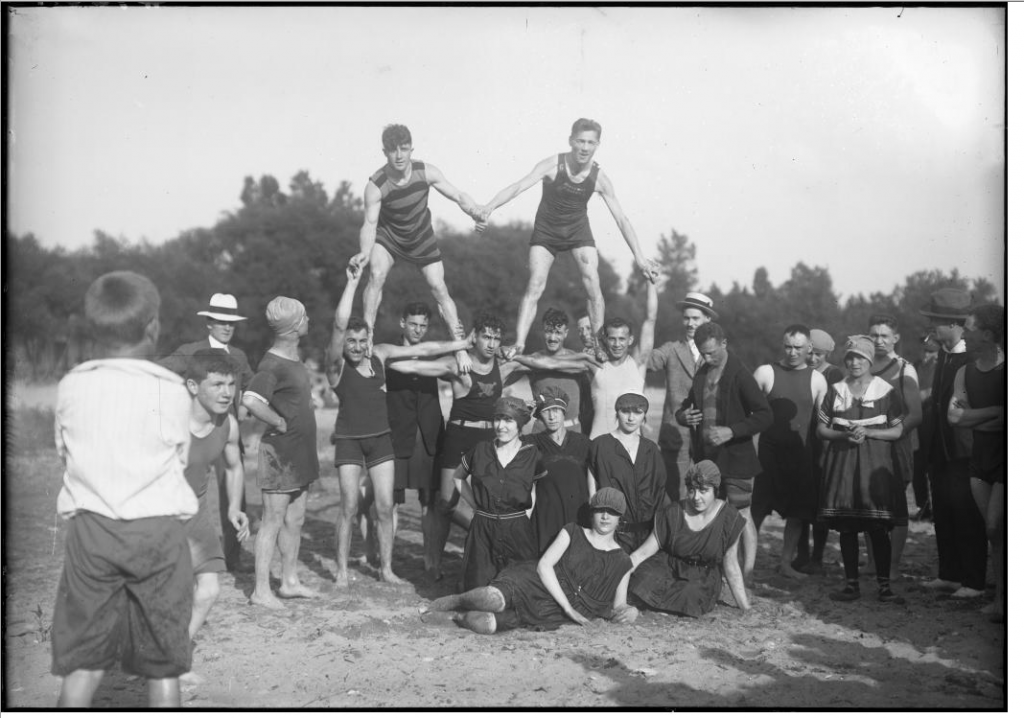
(366, 451)
(420, 471)
(737, 491)
(203, 544)
(991, 475)
(460, 439)
(558, 244)
(426, 253)
(125, 593)
(275, 476)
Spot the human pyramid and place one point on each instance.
(586, 518)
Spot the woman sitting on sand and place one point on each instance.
(699, 539)
(583, 575)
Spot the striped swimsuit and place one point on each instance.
(404, 228)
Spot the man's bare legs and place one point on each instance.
(275, 506)
(587, 260)
(349, 478)
(382, 477)
(790, 539)
(540, 264)
(434, 274)
(207, 588)
(748, 545)
(288, 540)
(445, 504)
(381, 263)
(428, 522)
(78, 688)
(991, 501)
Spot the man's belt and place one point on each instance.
(472, 424)
(632, 527)
(486, 515)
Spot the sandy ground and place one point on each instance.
(365, 647)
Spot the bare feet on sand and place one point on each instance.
(297, 590)
(388, 576)
(789, 572)
(267, 600)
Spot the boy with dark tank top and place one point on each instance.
(210, 380)
(562, 224)
(362, 434)
(787, 483)
(472, 415)
(397, 225)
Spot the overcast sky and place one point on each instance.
(866, 140)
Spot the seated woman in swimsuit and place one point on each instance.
(582, 576)
(698, 539)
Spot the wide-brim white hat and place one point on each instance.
(223, 307)
(696, 300)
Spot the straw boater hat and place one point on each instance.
(948, 304)
(223, 307)
(698, 301)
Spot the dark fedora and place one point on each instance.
(698, 301)
(948, 304)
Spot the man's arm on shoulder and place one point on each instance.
(547, 166)
(395, 352)
(443, 368)
(572, 363)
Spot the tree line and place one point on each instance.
(297, 242)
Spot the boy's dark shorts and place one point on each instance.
(368, 450)
(125, 593)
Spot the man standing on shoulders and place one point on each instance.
(210, 380)
(679, 360)
(883, 331)
(959, 526)
(570, 179)
(222, 319)
(725, 408)
(397, 225)
(788, 483)
(280, 396)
